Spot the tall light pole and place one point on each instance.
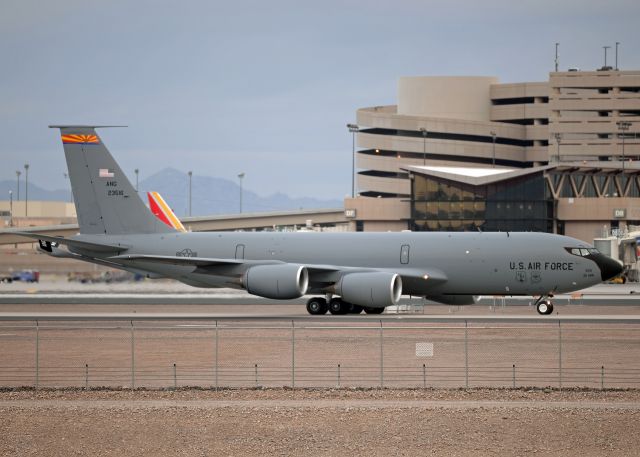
(136, 171)
(26, 189)
(623, 126)
(10, 208)
(190, 176)
(558, 137)
(424, 146)
(18, 173)
(66, 176)
(353, 128)
(605, 54)
(617, 44)
(557, 44)
(493, 138)
(240, 177)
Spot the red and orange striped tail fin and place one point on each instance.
(161, 210)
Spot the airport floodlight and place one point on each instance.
(623, 126)
(557, 45)
(493, 137)
(605, 56)
(26, 190)
(558, 137)
(66, 176)
(190, 173)
(353, 128)
(424, 146)
(617, 44)
(10, 208)
(241, 177)
(18, 173)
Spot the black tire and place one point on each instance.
(317, 306)
(369, 310)
(338, 307)
(356, 309)
(545, 307)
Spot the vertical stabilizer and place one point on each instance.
(106, 202)
(162, 211)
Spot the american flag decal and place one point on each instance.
(105, 173)
(80, 139)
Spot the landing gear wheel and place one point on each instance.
(356, 309)
(339, 307)
(545, 307)
(369, 310)
(317, 306)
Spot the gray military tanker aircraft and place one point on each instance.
(352, 272)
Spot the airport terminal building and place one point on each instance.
(469, 153)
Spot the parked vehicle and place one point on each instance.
(24, 276)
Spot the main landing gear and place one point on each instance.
(337, 306)
(544, 305)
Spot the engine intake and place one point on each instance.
(280, 282)
(375, 289)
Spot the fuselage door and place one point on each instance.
(240, 251)
(404, 254)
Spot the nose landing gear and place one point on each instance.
(544, 306)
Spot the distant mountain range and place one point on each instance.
(35, 192)
(210, 195)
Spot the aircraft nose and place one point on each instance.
(609, 268)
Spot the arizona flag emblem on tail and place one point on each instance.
(161, 210)
(80, 139)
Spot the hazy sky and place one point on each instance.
(263, 87)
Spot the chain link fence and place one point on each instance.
(217, 354)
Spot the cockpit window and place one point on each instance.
(582, 252)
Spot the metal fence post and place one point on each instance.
(216, 357)
(133, 357)
(256, 372)
(560, 354)
(602, 377)
(424, 375)
(513, 373)
(293, 354)
(381, 356)
(466, 354)
(175, 377)
(37, 354)
(338, 375)
(86, 376)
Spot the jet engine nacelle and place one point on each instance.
(375, 289)
(280, 282)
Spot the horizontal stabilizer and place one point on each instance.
(96, 247)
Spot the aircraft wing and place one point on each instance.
(317, 273)
(97, 247)
(179, 260)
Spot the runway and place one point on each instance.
(324, 320)
(64, 293)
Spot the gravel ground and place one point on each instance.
(320, 422)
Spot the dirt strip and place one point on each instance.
(317, 422)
